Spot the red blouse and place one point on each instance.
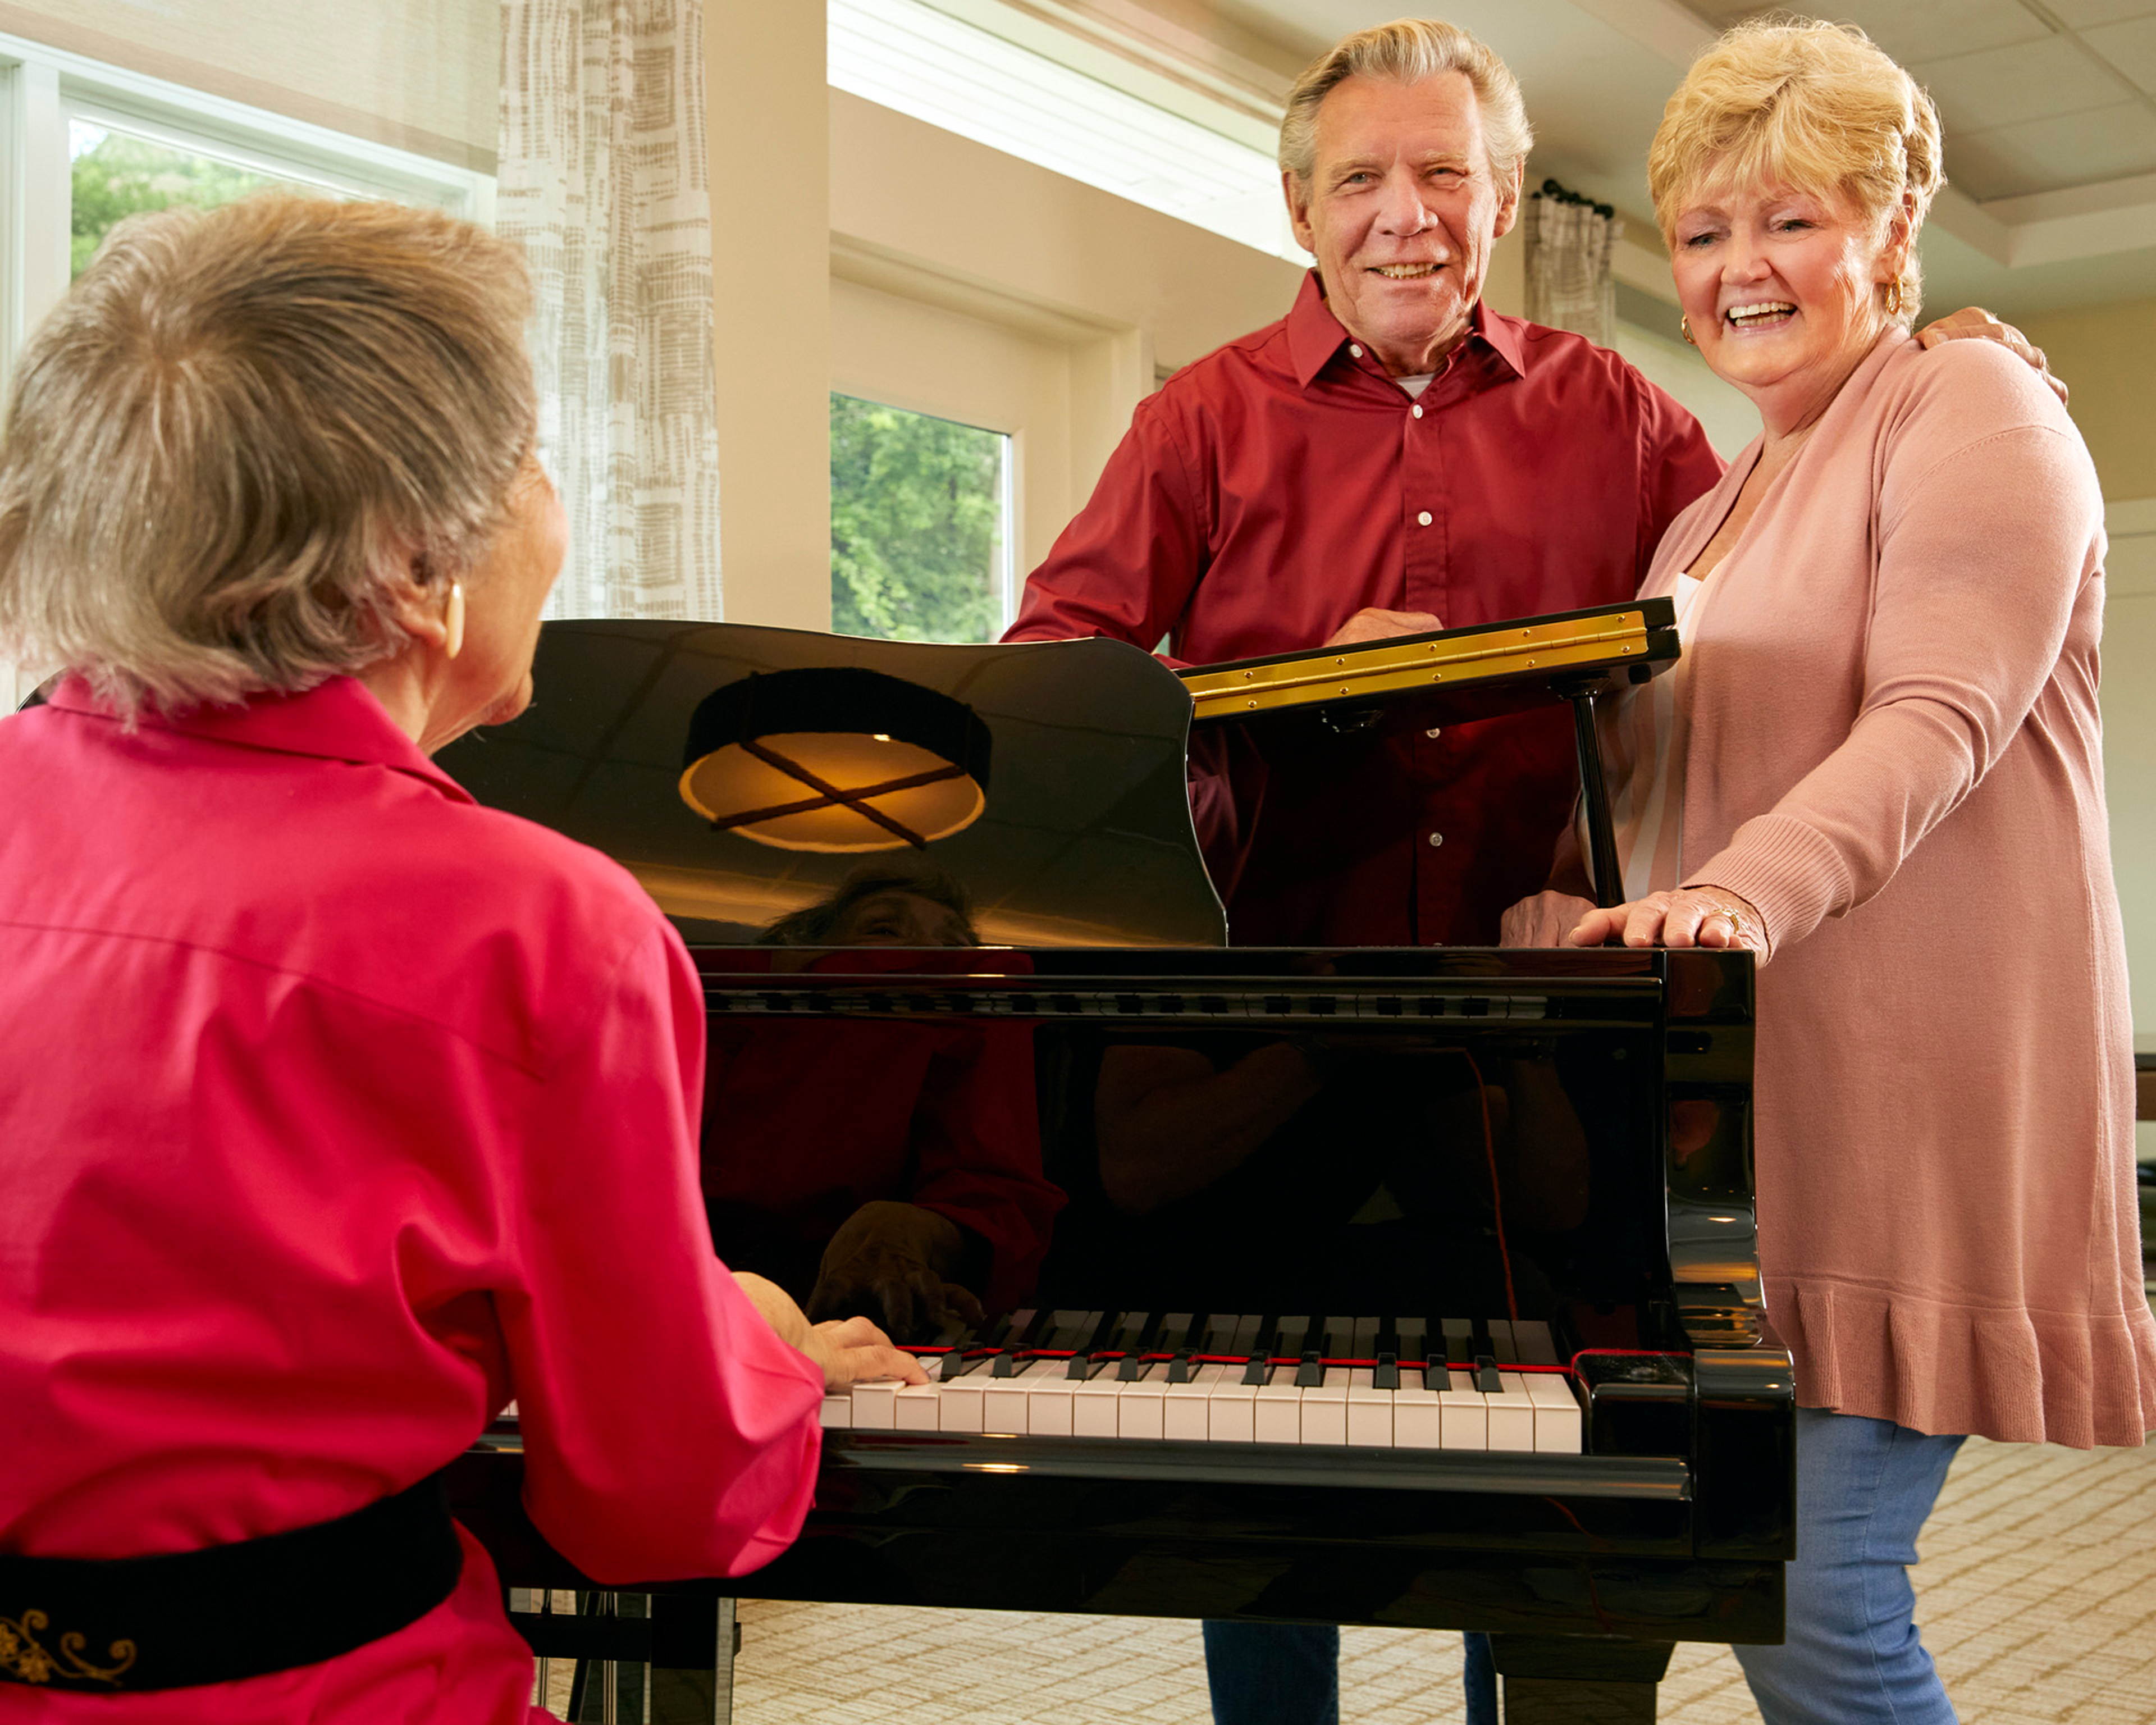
(339, 1111)
(1282, 484)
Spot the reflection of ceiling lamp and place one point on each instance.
(835, 759)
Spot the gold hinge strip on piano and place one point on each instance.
(1385, 668)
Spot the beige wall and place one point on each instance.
(2108, 355)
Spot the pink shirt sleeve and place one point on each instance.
(668, 1431)
(1986, 517)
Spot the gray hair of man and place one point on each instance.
(242, 430)
(1408, 50)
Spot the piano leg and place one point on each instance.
(699, 1695)
(1578, 1680)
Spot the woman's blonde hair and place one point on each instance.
(1813, 105)
(227, 445)
(1406, 51)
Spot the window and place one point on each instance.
(921, 535)
(911, 57)
(113, 174)
(95, 143)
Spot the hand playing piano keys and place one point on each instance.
(1365, 1382)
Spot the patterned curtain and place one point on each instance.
(1569, 241)
(602, 181)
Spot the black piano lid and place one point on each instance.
(1087, 838)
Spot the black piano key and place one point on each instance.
(1388, 1373)
(1480, 1341)
(1016, 1340)
(1268, 1343)
(1459, 1354)
(1317, 1343)
(1086, 1362)
(1197, 1338)
(1136, 1342)
(1486, 1376)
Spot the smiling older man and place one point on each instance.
(1392, 456)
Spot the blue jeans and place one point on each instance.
(1289, 1674)
(1853, 1656)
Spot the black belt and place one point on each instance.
(245, 1610)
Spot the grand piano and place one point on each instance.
(1412, 1287)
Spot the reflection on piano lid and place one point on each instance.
(1454, 674)
(1084, 836)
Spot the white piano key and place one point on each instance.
(875, 1406)
(1325, 1408)
(1003, 1409)
(1556, 1413)
(1232, 1409)
(837, 1411)
(917, 1407)
(962, 1403)
(1369, 1411)
(1417, 1423)
(1139, 1408)
(1511, 1414)
(1049, 1399)
(1463, 1419)
(1276, 1409)
(1186, 1412)
(1093, 1405)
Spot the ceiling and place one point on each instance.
(2048, 105)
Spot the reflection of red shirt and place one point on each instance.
(805, 1120)
(1267, 493)
(337, 1111)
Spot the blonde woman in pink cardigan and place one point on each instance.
(1878, 766)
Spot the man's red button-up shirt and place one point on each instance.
(1282, 484)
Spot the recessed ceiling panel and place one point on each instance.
(2131, 47)
(2004, 86)
(2083, 149)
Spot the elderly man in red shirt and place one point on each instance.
(1391, 457)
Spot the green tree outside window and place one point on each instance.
(916, 525)
(115, 175)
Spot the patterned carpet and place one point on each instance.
(2037, 1588)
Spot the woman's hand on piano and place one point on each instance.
(852, 1350)
(1546, 920)
(847, 1351)
(1691, 917)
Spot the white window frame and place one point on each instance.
(43, 89)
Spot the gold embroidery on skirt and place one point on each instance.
(22, 1657)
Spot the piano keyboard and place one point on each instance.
(1448, 1384)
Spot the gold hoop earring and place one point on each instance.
(1894, 297)
(453, 621)
(1684, 329)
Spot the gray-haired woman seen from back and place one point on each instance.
(339, 1111)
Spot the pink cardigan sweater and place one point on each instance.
(1892, 747)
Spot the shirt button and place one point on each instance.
(1355, 348)
(1423, 519)
(1434, 731)
(1436, 839)
(1416, 410)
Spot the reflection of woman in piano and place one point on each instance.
(339, 1110)
(890, 1169)
(1878, 766)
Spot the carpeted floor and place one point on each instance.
(2037, 1588)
